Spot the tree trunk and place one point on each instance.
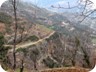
(22, 66)
(35, 67)
(73, 62)
(15, 36)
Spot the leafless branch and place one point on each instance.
(61, 7)
(15, 31)
(85, 10)
(85, 16)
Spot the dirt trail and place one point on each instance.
(32, 43)
(66, 69)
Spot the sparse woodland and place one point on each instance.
(34, 39)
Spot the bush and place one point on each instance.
(3, 50)
(34, 54)
(22, 50)
(50, 63)
(5, 18)
(33, 38)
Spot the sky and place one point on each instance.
(47, 3)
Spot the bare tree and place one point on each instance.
(22, 66)
(34, 57)
(85, 7)
(15, 31)
(22, 29)
(74, 51)
(86, 57)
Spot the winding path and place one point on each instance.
(31, 43)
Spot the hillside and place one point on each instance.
(71, 69)
(48, 53)
(45, 39)
(2, 27)
(42, 16)
(76, 18)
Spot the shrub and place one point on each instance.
(33, 38)
(5, 18)
(50, 63)
(22, 50)
(3, 50)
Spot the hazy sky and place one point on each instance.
(48, 3)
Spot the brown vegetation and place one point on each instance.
(72, 69)
(2, 27)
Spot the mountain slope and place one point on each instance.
(43, 46)
(42, 16)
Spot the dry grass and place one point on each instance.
(72, 69)
(2, 27)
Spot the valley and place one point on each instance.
(46, 41)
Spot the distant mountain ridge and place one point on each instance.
(38, 15)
